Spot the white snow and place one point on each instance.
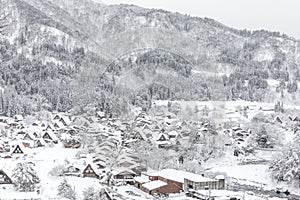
(154, 184)
(179, 176)
(254, 173)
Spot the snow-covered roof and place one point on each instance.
(218, 177)
(58, 125)
(17, 146)
(41, 140)
(99, 162)
(142, 179)
(179, 176)
(94, 168)
(127, 162)
(109, 144)
(163, 142)
(80, 121)
(173, 133)
(162, 135)
(18, 117)
(100, 114)
(104, 149)
(122, 171)
(51, 134)
(154, 184)
(65, 119)
(29, 135)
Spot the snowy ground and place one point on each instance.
(139, 195)
(252, 175)
(44, 160)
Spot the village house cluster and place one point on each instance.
(106, 148)
(170, 181)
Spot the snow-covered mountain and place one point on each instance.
(67, 41)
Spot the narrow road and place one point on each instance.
(260, 191)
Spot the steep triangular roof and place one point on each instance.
(18, 150)
(56, 117)
(89, 172)
(139, 135)
(48, 136)
(65, 120)
(162, 137)
(278, 119)
(4, 179)
(121, 171)
(29, 136)
(296, 118)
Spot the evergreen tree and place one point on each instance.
(25, 178)
(287, 166)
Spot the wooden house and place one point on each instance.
(18, 118)
(89, 172)
(126, 163)
(72, 171)
(65, 121)
(2, 149)
(18, 150)
(100, 115)
(278, 120)
(58, 125)
(49, 127)
(72, 143)
(162, 137)
(123, 175)
(139, 135)
(3, 119)
(296, 119)
(4, 179)
(169, 181)
(203, 183)
(40, 142)
(56, 117)
(29, 136)
(100, 163)
(36, 123)
(174, 135)
(49, 137)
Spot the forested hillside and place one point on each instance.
(79, 55)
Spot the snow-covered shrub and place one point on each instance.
(25, 178)
(57, 170)
(65, 190)
(91, 194)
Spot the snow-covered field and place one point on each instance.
(44, 160)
